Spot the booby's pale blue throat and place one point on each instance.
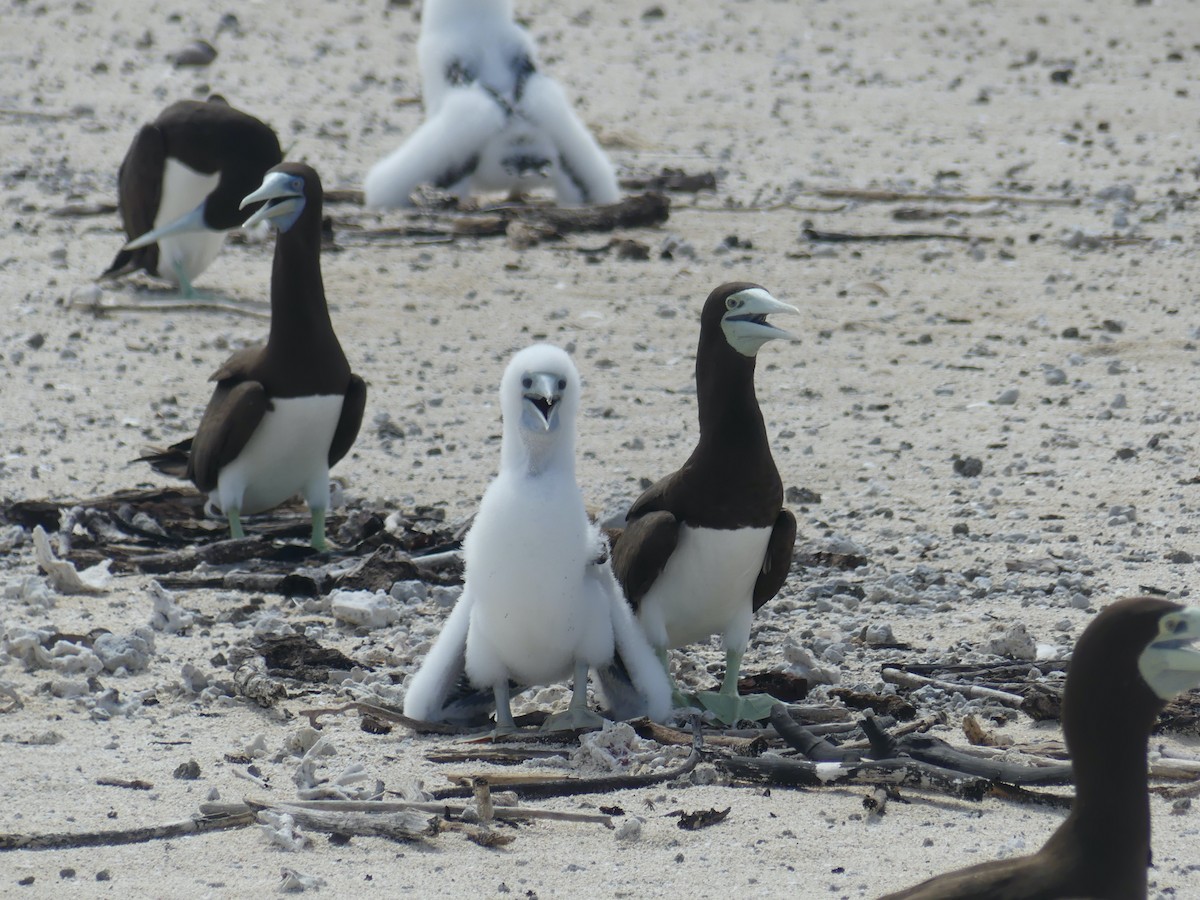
(181, 183)
(710, 543)
(1135, 655)
(540, 601)
(284, 412)
(493, 120)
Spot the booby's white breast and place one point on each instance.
(288, 454)
(706, 585)
(183, 189)
(536, 610)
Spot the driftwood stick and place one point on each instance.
(908, 680)
(906, 197)
(102, 306)
(742, 746)
(441, 809)
(637, 211)
(385, 713)
(565, 787)
(805, 773)
(1166, 767)
(843, 237)
(398, 825)
(68, 841)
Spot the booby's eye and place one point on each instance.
(562, 384)
(733, 302)
(527, 382)
(1174, 624)
(298, 185)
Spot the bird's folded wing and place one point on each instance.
(642, 551)
(646, 673)
(232, 415)
(441, 152)
(139, 191)
(778, 560)
(443, 667)
(584, 175)
(350, 420)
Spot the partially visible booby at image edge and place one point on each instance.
(706, 546)
(1134, 656)
(284, 412)
(540, 602)
(181, 185)
(493, 120)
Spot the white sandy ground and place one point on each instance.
(904, 350)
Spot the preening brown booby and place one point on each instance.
(181, 186)
(1134, 656)
(711, 543)
(493, 120)
(540, 602)
(283, 412)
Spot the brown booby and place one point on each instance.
(283, 412)
(181, 185)
(1134, 656)
(709, 544)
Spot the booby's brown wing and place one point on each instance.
(778, 560)
(640, 555)
(350, 420)
(139, 191)
(237, 406)
(1025, 878)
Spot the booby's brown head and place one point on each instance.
(738, 312)
(1134, 656)
(288, 191)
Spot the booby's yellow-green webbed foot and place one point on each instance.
(731, 708)
(235, 524)
(727, 704)
(318, 541)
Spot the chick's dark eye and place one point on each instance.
(1177, 625)
(527, 382)
(562, 384)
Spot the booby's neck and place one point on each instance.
(440, 14)
(302, 339)
(727, 404)
(1107, 723)
(535, 455)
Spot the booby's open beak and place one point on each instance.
(1170, 664)
(186, 224)
(282, 198)
(745, 321)
(542, 393)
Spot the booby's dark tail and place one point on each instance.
(171, 461)
(618, 696)
(468, 705)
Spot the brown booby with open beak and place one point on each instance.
(1134, 657)
(286, 411)
(709, 544)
